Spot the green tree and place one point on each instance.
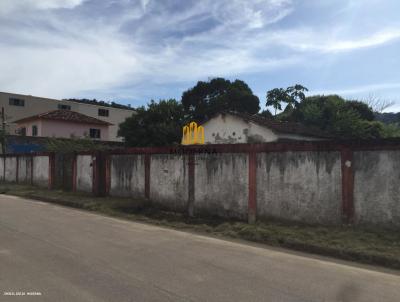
(339, 117)
(295, 95)
(275, 97)
(158, 124)
(292, 95)
(208, 98)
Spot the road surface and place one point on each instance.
(63, 254)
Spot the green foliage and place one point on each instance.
(100, 103)
(60, 145)
(391, 130)
(292, 95)
(341, 118)
(362, 109)
(159, 124)
(265, 114)
(208, 98)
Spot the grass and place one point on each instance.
(371, 246)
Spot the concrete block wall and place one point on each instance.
(169, 181)
(84, 172)
(312, 182)
(302, 186)
(221, 185)
(25, 169)
(127, 175)
(41, 171)
(377, 187)
(10, 173)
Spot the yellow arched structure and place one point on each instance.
(192, 134)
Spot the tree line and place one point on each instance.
(160, 123)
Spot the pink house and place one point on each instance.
(64, 123)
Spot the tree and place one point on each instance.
(362, 109)
(296, 94)
(341, 118)
(275, 97)
(265, 114)
(208, 98)
(292, 95)
(160, 124)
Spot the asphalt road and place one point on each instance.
(70, 255)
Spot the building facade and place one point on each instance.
(64, 124)
(236, 128)
(18, 106)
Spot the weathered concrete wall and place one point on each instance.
(24, 169)
(127, 175)
(221, 185)
(377, 187)
(11, 169)
(41, 171)
(84, 173)
(169, 181)
(303, 186)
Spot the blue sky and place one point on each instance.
(131, 51)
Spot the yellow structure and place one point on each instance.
(193, 134)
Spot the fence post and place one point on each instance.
(191, 163)
(107, 167)
(347, 186)
(17, 168)
(74, 171)
(147, 163)
(32, 170)
(252, 202)
(51, 170)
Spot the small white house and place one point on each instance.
(236, 128)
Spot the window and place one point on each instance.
(64, 107)
(22, 131)
(34, 130)
(103, 112)
(16, 102)
(94, 133)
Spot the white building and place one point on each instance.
(235, 128)
(18, 106)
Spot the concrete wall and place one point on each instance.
(10, 169)
(221, 185)
(41, 171)
(24, 169)
(84, 173)
(231, 129)
(169, 181)
(303, 186)
(127, 175)
(377, 187)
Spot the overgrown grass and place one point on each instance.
(373, 246)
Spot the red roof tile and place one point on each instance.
(66, 116)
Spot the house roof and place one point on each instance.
(278, 126)
(65, 116)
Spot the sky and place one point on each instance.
(132, 51)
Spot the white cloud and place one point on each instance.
(336, 45)
(117, 43)
(358, 89)
(8, 6)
